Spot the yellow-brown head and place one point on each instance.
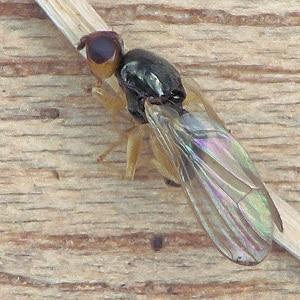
(104, 51)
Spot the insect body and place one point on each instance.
(144, 75)
(193, 149)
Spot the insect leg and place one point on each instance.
(195, 98)
(134, 141)
(113, 100)
(120, 141)
(133, 137)
(163, 163)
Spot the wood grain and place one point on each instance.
(71, 228)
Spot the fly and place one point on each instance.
(191, 146)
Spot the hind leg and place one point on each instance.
(164, 164)
(195, 99)
(133, 138)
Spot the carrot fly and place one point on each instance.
(191, 146)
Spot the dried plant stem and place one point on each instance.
(290, 237)
(76, 18)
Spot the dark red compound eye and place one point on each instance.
(102, 49)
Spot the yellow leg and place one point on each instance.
(133, 137)
(195, 98)
(134, 141)
(121, 140)
(113, 100)
(163, 163)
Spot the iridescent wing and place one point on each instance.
(220, 181)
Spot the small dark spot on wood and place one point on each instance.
(157, 242)
(149, 287)
(55, 174)
(89, 89)
(170, 289)
(49, 113)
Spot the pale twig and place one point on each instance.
(76, 18)
(290, 237)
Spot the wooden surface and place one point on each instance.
(71, 228)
